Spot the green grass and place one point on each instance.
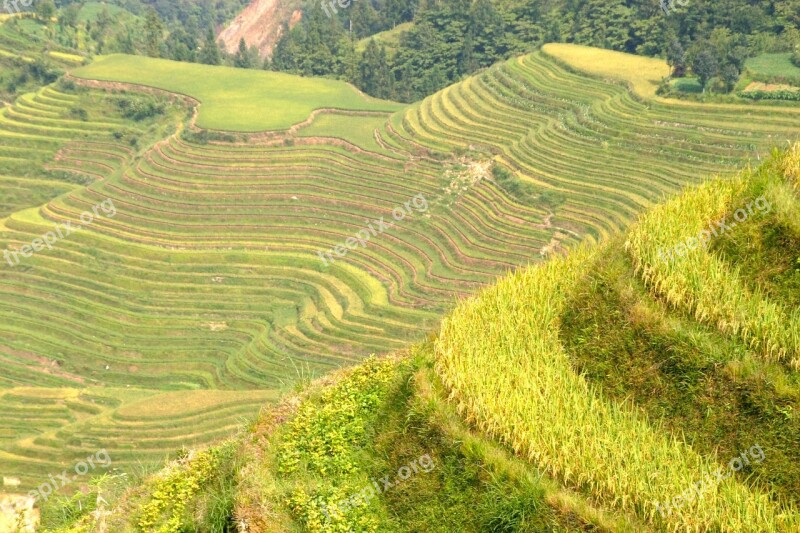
(775, 67)
(235, 99)
(389, 38)
(358, 130)
(687, 85)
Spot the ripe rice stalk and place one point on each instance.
(502, 351)
(701, 283)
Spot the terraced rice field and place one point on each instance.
(47, 429)
(604, 151)
(31, 133)
(208, 276)
(632, 378)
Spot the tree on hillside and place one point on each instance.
(603, 23)
(285, 54)
(676, 58)
(68, 17)
(181, 45)
(486, 29)
(242, 58)
(209, 53)
(705, 66)
(729, 75)
(153, 33)
(45, 9)
(374, 76)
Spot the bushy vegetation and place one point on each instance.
(139, 107)
(793, 96)
(323, 440)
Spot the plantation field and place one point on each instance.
(632, 377)
(620, 405)
(593, 154)
(208, 277)
(235, 99)
(776, 66)
(358, 130)
(642, 73)
(45, 430)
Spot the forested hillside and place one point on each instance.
(442, 41)
(451, 39)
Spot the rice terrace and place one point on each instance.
(555, 292)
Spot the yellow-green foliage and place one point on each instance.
(260, 101)
(165, 512)
(501, 356)
(700, 282)
(323, 440)
(790, 164)
(643, 74)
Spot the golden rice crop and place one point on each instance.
(790, 165)
(703, 284)
(501, 357)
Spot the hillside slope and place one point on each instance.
(229, 266)
(623, 401)
(261, 24)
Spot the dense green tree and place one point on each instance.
(181, 45)
(243, 59)
(676, 58)
(454, 38)
(603, 23)
(210, 53)
(729, 75)
(153, 33)
(68, 16)
(705, 66)
(286, 53)
(374, 76)
(45, 9)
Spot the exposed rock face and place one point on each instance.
(261, 24)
